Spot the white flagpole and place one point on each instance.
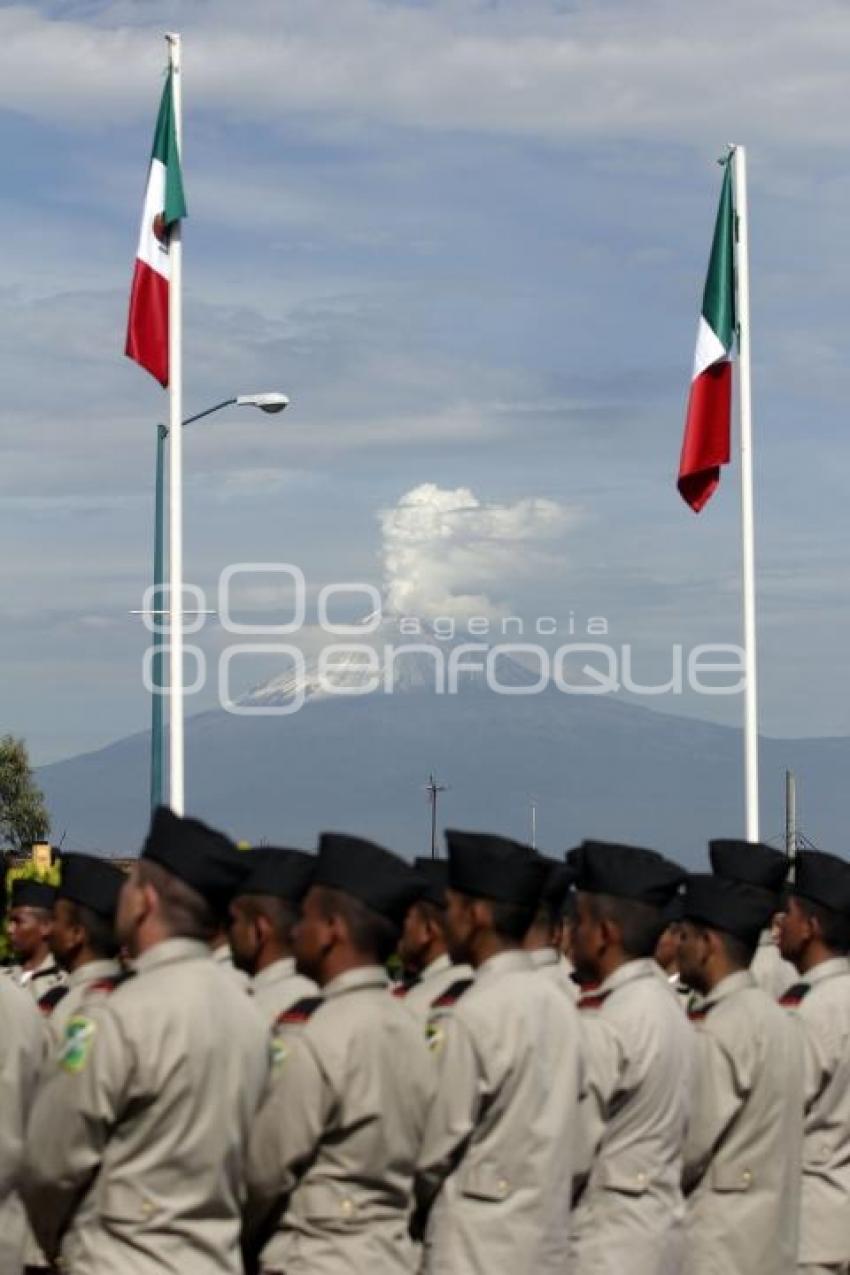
(748, 574)
(175, 466)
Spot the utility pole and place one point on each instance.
(434, 789)
(534, 823)
(791, 820)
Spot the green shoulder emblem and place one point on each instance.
(77, 1045)
(278, 1051)
(435, 1036)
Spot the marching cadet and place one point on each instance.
(761, 866)
(29, 924)
(429, 970)
(815, 935)
(742, 1156)
(83, 937)
(496, 1161)
(545, 936)
(137, 1136)
(333, 1151)
(262, 916)
(639, 1055)
(21, 1049)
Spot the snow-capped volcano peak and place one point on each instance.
(386, 661)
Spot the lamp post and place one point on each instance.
(270, 403)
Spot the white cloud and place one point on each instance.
(680, 70)
(445, 553)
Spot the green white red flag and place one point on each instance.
(706, 444)
(147, 326)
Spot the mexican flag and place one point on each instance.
(706, 444)
(147, 326)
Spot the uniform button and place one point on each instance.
(746, 1177)
(347, 1207)
(147, 1208)
(641, 1178)
(503, 1186)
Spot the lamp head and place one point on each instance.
(271, 402)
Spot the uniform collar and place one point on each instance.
(276, 972)
(544, 956)
(222, 955)
(356, 980)
(766, 939)
(643, 967)
(504, 963)
(47, 966)
(169, 951)
(438, 966)
(827, 969)
(94, 970)
(729, 986)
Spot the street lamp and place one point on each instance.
(270, 402)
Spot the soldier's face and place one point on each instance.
(460, 925)
(415, 938)
(667, 948)
(588, 939)
(795, 931)
(244, 939)
(67, 936)
(693, 954)
(312, 937)
(29, 931)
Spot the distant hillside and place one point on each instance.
(596, 766)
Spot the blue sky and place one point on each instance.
(468, 239)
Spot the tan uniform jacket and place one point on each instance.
(36, 982)
(773, 974)
(334, 1146)
(555, 966)
(278, 987)
(496, 1162)
(435, 979)
(824, 1015)
(21, 1052)
(640, 1063)
(743, 1153)
(137, 1137)
(80, 988)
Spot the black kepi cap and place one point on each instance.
(379, 879)
(484, 866)
(93, 883)
(822, 878)
(433, 878)
(201, 857)
(279, 871)
(734, 907)
(752, 862)
(29, 893)
(626, 872)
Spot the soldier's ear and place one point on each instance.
(610, 931)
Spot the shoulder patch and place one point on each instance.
(452, 994)
(77, 1044)
(593, 1000)
(299, 1012)
(435, 1036)
(48, 1002)
(795, 994)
